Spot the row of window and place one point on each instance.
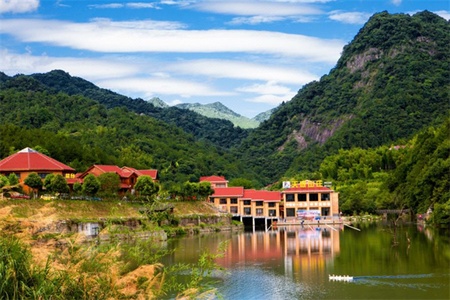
(312, 197)
(248, 211)
(245, 202)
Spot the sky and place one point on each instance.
(248, 55)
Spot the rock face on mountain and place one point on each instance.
(391, 81)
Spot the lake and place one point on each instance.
(295, 262)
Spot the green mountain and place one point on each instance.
(158, 102)
(221, 133)
(261, 117)
(80, 132)
(219, 111)
(391, 81)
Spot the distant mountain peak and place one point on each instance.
(219, 111)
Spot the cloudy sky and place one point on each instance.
(249, 55)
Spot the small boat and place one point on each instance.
(345, 278)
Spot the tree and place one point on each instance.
(48, 182)
(91, 185)
(12, 178)
(3, 181)
(59, 184)
(109, 183)
(204, 189)
(146, 186)
(77, 188)
(34, 181)
(244, 182)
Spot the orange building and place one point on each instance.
(216, 181)
(309, 199)
(27, 161)
(128, 176)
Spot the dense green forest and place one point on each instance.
(81, 132)
(221, 133)
(391, 81)
(377, 125)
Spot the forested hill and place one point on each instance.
(220, 132)
(391, 81)
(81, 132)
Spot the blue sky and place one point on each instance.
(249, 55)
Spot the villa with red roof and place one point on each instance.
(28, 160)
(128, 175)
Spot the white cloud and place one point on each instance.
(254, 20)
(18, 6)
(396, 2)
(91, 69)
(138, 25)
(154, 86)
(259, 8)
(242, 70)
(444, 14)
(136, 5)
(266, 88)
(350, 17)
(110, 37)
(141, 5)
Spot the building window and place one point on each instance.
(290, 197)
(223, 201)
(247, 211)
(272, 212)
(42, 175)
(290, 212)
(325, 197)
(301, 197)
(259, 211)
(233, 200)
(259, 203)
(272, 204)
(233, 209)
(314, 197)
(325, 211)
(247, 202)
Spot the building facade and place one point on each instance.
(28, 161)
(310, 199)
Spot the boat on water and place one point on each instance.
(345, 278)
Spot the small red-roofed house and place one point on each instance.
(128, 176)
(216, 181)
(27, 161)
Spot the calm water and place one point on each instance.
(295, 262)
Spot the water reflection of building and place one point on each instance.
(296, 247)
(310, 248)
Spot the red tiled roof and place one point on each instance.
(30, 160)
(213, 178)
(262, 195)
(152, 173)
(228, 192)
(124, 172)
(308, 189)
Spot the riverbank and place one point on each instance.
(100, 248)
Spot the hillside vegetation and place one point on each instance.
(391, 81)
(81, 132)
(376, 125)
